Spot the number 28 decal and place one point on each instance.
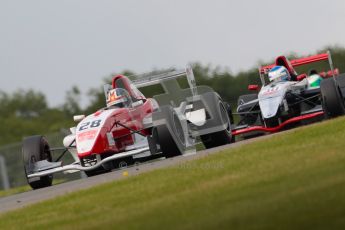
(92, 124)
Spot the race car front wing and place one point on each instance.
(43, 168)
(248, 129)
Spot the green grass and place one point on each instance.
(290, 181)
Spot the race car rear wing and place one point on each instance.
(155, 78)
(311, 59)
(303, 61)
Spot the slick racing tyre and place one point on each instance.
(36, 148)
(332, 101)
(224, 136)
(171, 135)
(248, 119)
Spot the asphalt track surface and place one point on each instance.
(35, 196)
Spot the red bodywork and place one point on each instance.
(279, 127)
(120, 122)
(253, 87)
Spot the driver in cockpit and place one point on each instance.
(118, 98)
(278, 74)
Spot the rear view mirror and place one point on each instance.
(78, 118)
(253, 87)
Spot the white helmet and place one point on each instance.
(279, 73)
(118, 97)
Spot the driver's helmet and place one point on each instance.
(118, 97)
(279, 73)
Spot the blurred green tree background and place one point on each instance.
(26, 112)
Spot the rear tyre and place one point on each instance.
(223, 137)
(36, 148)
(332, 101)
(171, 135)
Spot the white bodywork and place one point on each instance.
(77, 167)
(272, 96)
(84, 136)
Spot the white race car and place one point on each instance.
(289, 99)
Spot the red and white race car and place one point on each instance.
(132, 127)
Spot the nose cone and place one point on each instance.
(270, 98)
(269, 106)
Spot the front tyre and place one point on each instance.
(34, 149)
